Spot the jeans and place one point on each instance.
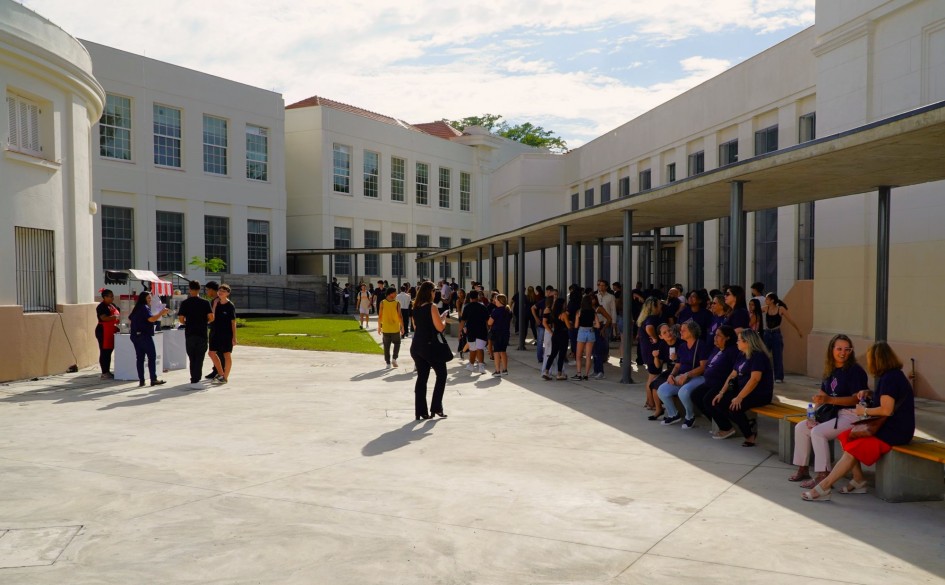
(390, 338)
(196, 352)
(775, 343)
(144, 346)
(667, 391)
(540, 345)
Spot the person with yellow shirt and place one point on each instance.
(390, 324)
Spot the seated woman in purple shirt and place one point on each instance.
(754, 387)
(691, 358)
(721, 363)
(892, 399)
(738, 318)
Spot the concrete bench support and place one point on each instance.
(786, 439)
(905, 478)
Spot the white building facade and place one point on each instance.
(186, 165)
(51, 101)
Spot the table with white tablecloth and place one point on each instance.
(169, 346)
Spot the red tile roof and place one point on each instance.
(439, 129)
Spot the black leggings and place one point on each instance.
(559, 349)
(420, 388)
(104, 355)
(724, 416)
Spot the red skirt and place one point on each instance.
(866, 450)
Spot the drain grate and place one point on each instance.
(34, 547)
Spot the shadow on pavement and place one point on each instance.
(391, 440)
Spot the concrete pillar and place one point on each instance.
(523, 316)
(627, 330)
(882, 263)
(563, 258)
(737, 223)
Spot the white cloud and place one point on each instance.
(422, 60)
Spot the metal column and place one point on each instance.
(644, 271)
(523, 316)
(600, 258)
(541, 273)
(626, 300)
(505, 268)
(479, 266)
(331, 293)
(432, 269)
(578, 264)
(492, 277)
(882, 263)
(403, 266)
(657, 246)
(563, 259)
(738, 238)
(354, 258)
(462, 273)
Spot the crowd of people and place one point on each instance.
(719, 353)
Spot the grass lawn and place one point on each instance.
(313, 334)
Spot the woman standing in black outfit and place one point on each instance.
(428, 323)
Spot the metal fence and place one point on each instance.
(267, 298)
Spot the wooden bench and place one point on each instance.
(787, 416)
(912, 473)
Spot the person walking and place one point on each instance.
(364, 306)
(403, 297)
(390, 325)
(428, 323)
(223, 337)
(212, 288)
(142, 337)
(195, 314)
(108, 316)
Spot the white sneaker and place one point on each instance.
(197, 386)
(599, 376)
(471, 367)
(393, 363)
(482, 368)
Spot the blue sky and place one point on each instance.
(577, 68)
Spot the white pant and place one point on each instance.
(817, 437)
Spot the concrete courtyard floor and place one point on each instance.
(308, 468)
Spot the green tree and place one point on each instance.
(526, 133)
(214, 265)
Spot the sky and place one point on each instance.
(578, 68)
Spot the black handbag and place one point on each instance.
(441, 350)
(826, 412)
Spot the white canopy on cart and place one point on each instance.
(161, 288)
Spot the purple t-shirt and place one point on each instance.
(738, 319)
(845, 381)
(704, 318)
(686, 355)
(721, 363)
(900, 426)
(758, 362)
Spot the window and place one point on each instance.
(397, 175)
(667, 266)
(372, 264)
(445, 180)
(166, 136)
(465, 191)
(645, 180)
(766, 246)
(341, 168)
(216, 238)
(605, 262)
(605, 193)
(342, 242)
(728, 153)
(805, 241)
(423, 182)
(696, 163)
(807, 127)
(671, 173)
(766, 140)
(725, 244)
(257, 153)
(398, 240)
(466, 268)
(696, 240)
(588, 197)
(372, 173)
(170, 241)
(589, 263)
(114, 128)
(118, 242)
(422, 242)
(623, 187)
(24, 125)
(575, 202)
(257, 246)
(35, 270)
(445, 272)
(214, 145)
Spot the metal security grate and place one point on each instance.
(35, 270)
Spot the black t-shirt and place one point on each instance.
(194, 310)
(223, 317)
(476, 316)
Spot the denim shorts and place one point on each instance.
(586, 335)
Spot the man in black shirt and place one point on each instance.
(223, 336)
(476, 317)
(195, 314)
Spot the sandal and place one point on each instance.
(854, 487)
(814, 481)
(818, 494)
(749, 442)
(800, 476)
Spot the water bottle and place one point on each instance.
(865, 406)
(810, 413)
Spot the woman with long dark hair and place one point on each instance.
(108, 316)
(775, 310)
(738, 318)
(560, 324)
(142, 336)
(754, 386)
(428, 323)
